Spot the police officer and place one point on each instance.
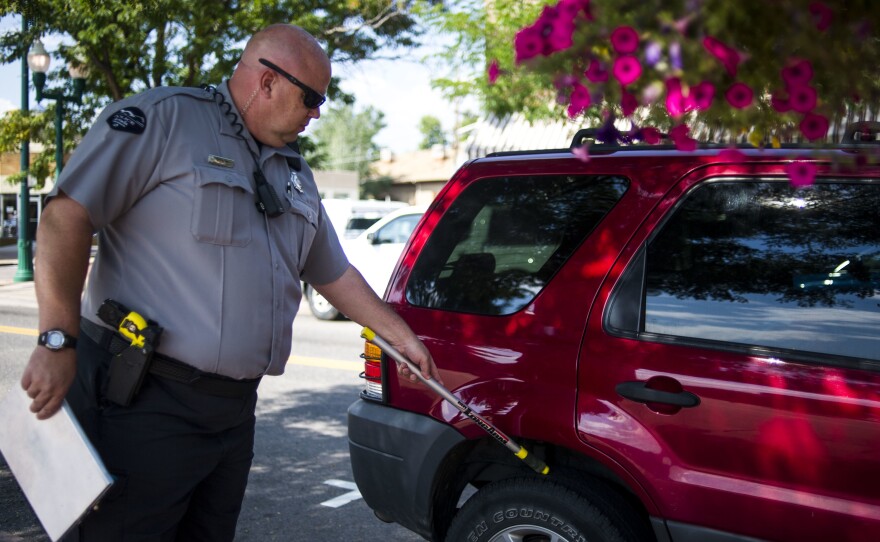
(208, 219)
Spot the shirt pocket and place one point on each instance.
(303, 225)
(223, 207)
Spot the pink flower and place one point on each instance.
(797, 74)
(580, 100)
(528, 43)
(802, 99)
(679, 136)
(822, 14)
(650, 135)
(727, 55)
(624, 40)
(493, 72)
(582, 153)
(801, 173)
(676, 102)
(732, 155)
(681, 25)
(814, 126)
(569, 8)
(627, 69)
(702, 95)
(780, 104)
(560, 36)
(739, 95)
(628, 103)
(596, 73)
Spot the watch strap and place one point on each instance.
(68, 341)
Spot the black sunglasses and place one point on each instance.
(311, 98)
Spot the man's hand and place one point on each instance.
(47, 378)
(415, 351)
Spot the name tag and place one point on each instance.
(220, 161)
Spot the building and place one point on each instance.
(335, 184)
(10, 163)
(418, 176)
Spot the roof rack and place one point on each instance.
(865, 132)
(857, 133)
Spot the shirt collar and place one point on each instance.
(227, 128)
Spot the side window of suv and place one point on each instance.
(768, 265)
(503, 239)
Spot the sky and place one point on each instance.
(399, 88)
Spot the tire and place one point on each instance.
(542, 510)
(320, 307)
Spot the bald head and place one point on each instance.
(272, 106)
(286, 44)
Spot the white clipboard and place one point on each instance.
(56, 466)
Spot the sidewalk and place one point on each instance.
(15, 294)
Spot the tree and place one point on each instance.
(482, 30)
(346, 137)
(132, 46)
(432, 132)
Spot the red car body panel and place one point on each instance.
(790, 445)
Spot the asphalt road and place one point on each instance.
(300, 484)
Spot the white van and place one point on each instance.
(350, 217)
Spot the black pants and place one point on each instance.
(180, 457)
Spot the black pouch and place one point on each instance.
(127, 371)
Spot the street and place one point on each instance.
(300, 484)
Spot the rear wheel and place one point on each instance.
(542, 510)
(320, 307)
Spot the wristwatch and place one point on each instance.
(56, 339)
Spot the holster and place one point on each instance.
(127, 371)
(129, 366)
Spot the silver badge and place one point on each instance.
(294, 180)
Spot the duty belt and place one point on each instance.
(172, 369)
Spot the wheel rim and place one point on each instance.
(527, 533)
(320, 302)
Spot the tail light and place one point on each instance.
(374, 389)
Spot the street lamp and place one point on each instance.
(25, 271)
(38, 60)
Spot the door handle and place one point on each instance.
(641, 393)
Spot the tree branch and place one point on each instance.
(381, 18)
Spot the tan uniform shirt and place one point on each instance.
(168, 182)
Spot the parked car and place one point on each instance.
(374, 253)
(351, 217)
(664, 329)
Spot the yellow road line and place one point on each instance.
(324, 363)
(19, 331)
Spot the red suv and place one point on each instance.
(687, 339)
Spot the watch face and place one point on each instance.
(54, 339)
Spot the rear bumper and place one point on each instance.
(395, 456)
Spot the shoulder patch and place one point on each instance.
(128, 119)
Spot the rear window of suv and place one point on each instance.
(766, 264)
(504, 238)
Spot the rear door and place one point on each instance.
(733, 364)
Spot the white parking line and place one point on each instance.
(345, 498)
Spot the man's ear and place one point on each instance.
(267, 80)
